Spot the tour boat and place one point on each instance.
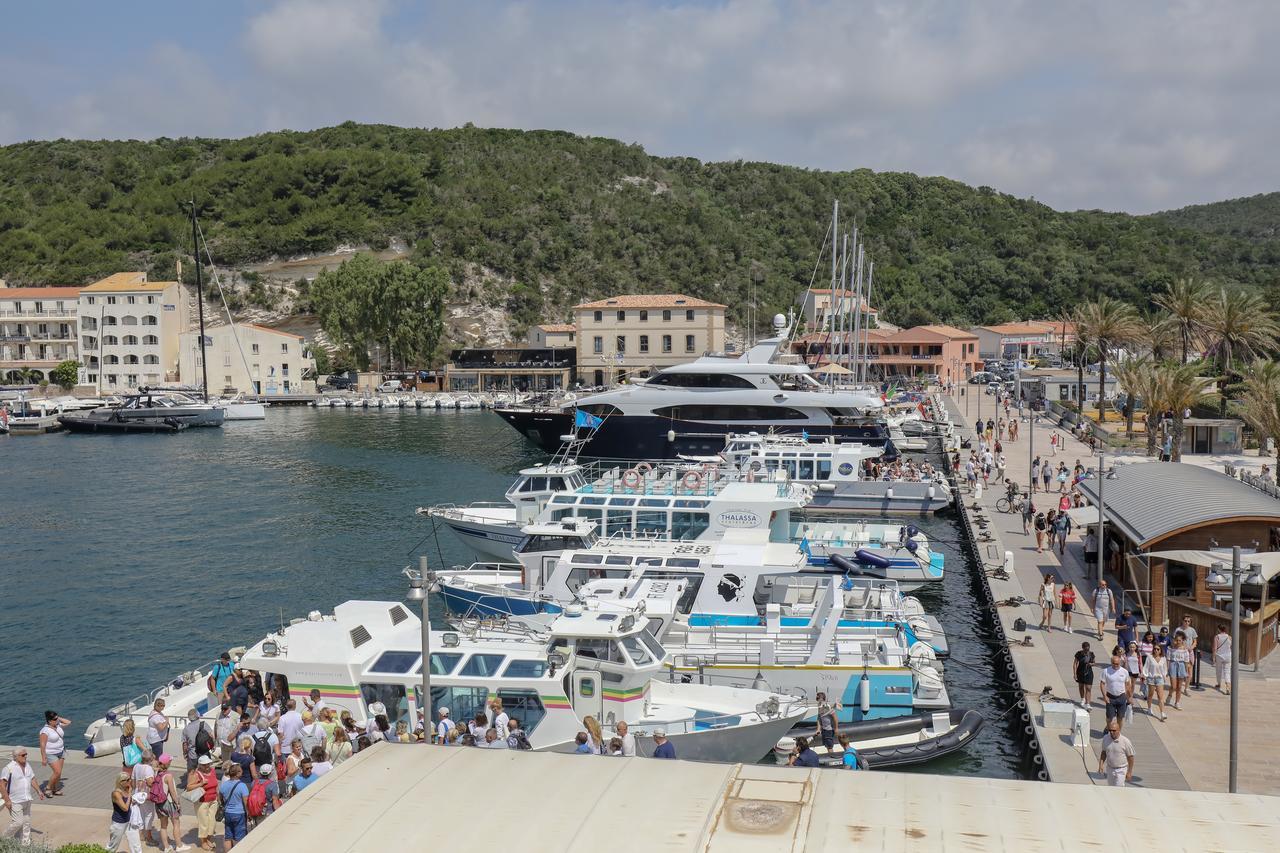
(28, 417)
(237, 408)
(689, 408)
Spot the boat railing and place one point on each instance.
(143, 702)
(460, 511)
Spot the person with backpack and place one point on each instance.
(232, 794)
(517, 739)
(164, 795)
(311, 733)
(1083, 667)
(264, 796)
(194, 744)
(265, 745)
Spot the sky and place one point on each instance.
(1131, 105)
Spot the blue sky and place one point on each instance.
(1135, 106)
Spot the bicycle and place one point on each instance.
(1014, 505)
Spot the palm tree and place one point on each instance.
(1135, 376)
(1180, 387)
(1238, 324)
(1259, 403)
(1185, 300)
(1157, 333)
(1107, 323)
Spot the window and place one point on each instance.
(111, 300)
(108, 321)
(151, 299)
(442, 663)
(397, 662)
(621, 343)
(284, 348)
(113, 378)
(131, 299)
(700, 380)
(91, 300)
(636, 650)
(110, 340)
(688, 315)
(88, 324)
(622, 316)
(151, 359)
(688, 525)
(617, 521)
(254, 350)
(130, 340)
(150, 320)
(482, 666)
(666, 344)
(284, 369)
(524, 669)
(688, 343)
(524, 705)
(390, 695)
(89, 342)
(131, 379)
(597, 346)
(128, 320)
(130, 359)
(462, 702)
(599, 316)
(644, 343)
(150, 340)
(226, 380)
(111, 359)
(605, 650)
(666, 316)
(644, 316)
(226, 359)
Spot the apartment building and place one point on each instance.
(1027, 339)
(626, 336)
(37, 331)
(250, 358)
(553, 335)
(940, 349)
(129, 331)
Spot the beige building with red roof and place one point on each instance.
(250, 358)
(948, 352)
(552, 335)
(632, 335)
(1024, 339)
(129, 331)
(38, 330)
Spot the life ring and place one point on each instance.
(631, 478)
(644, 468)
(692, 480)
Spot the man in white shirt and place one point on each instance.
(1117, 689)
(224, 729)
(492, 741)
(628, 739)
(443, 727)
(157, 728)
(290, 723)
(1117, 756)
(17, 785)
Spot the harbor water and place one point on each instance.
(128, 559)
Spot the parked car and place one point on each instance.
(391, 386)
(340, 382)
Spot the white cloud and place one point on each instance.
(1138, 106)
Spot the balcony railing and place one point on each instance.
(13, 312)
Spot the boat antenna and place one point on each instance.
(195, 251)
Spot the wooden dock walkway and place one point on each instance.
(1189, 750)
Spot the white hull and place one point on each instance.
(245, 411)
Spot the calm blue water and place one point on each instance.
(128, 559)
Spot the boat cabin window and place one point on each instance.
(622, 502)
(601, 410)
(691, 504)
(824, 469)
(662, 502)
(524, 705)
(637, 651)
(462, 702)
(594, 559)
(534, 484)
(590, 501)
(391, 695)
(539, 543)
(395, 662)
(578, 577)
(655, 625)
(562, 514)
(648, 561)
(616, 560)
(693, 584)
(525, 669)
(649, 521)
(683, 562)
(700, 380)
(442, 663)
(689, 525)
(650, 641)
(730, 413)
(618, 521)
(564, 499)
(602, 650)
(482, 666)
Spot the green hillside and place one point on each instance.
(570, 217)
(1254, 218)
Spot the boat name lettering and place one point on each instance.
(739, 519)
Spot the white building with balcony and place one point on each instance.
(37, 331)
(129, 331)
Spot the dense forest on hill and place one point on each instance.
(569, 217)
(1254, 218)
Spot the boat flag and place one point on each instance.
(586, 419)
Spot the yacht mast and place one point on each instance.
(195, 250)
(835, 235)
(866, 335)
(839, 300)
(858, 321)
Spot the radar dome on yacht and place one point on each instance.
(779, 322)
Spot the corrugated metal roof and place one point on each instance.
(442, 798)
(1147, 501)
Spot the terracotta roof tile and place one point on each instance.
(39, 292)
(650, 300)
(125, 282)
(557, 327)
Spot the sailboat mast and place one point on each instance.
(866, 331)
(835, 236)
(857, 307)
(855, 288)
(195, 250)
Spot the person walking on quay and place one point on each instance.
(126, 818)
(1084, 661)
(1048, 601)
(193, 741)
(662, 748)
(1028, 515)
(1155, 675)
(1117, 690)
(53, 749)
(168, 806)
(1103, 605)
(1133, 663)
(1126, 629)
(157, 728)
(1041, 525)
(19, 789)
(1117, 756)
(1001, 464)
(205, 780)
(233, 792)
(1067, 598)
(1179, 660)
(1013, 430)
(1035, 474)
(1192, 638)
(1046, 474)
(225, 730)
(1222, 658)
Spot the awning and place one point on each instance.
(1269, 560)
(1082, 515)
(833, 368)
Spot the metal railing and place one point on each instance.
(1256, 481)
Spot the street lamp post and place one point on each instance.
(1216, 578)
(420, 581)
